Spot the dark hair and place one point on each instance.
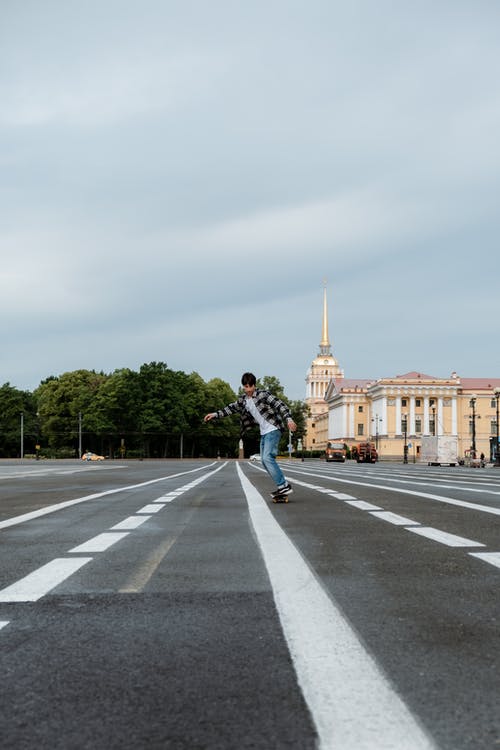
(248, 378)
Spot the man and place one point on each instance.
(273, 417)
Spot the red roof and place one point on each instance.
(480, 384)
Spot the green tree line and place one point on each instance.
(155, 412)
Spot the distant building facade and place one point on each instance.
(394, 411)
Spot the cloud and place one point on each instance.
(177, 179)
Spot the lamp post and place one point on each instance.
(472, 404)
(376, 419)
(405, 448)
(22, 435)
(497, 451)
(433, 420)
(79, 434)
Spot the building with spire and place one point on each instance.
(323, 369)
(396, 412)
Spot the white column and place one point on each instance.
(397, 426)
(412, 415)
(427, 428)
(384, 423)
(439, 416)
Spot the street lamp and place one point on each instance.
(405, 448)
(22, 435)
(376, 419)
(497, 451)
(472, 404)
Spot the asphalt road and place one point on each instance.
(170, 604)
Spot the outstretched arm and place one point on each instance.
(226, 411)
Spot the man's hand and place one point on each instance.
(210, 416)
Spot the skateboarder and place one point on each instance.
(273, 417)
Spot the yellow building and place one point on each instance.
(400, 410)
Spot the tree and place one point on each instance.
(114, 414)
(60, 402)
(13, 403)
(162, 412)
(153, 412)
(220, 436)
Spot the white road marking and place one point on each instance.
(101, 542)
(35, 585)
(490, 557)
(387, 515)
(343, 496)
(443, 537)
(440, 498)
(3, 623)
(130, 523)
(151, 508)
(68, 503)
(363, 505)
(451, 540)
(352, 703)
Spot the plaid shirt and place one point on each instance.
(271, 408)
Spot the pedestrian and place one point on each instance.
(258, 406)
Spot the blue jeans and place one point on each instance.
(268, 451)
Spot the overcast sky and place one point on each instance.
(178, 177)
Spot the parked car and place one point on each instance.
(89, 456)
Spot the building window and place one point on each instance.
(418, 425)
(361, 429)
(493, 403)
(360, 408)
(404, 402)
(431, 402)
(493, 430)
(417, 402)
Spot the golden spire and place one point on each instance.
(325, 343)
